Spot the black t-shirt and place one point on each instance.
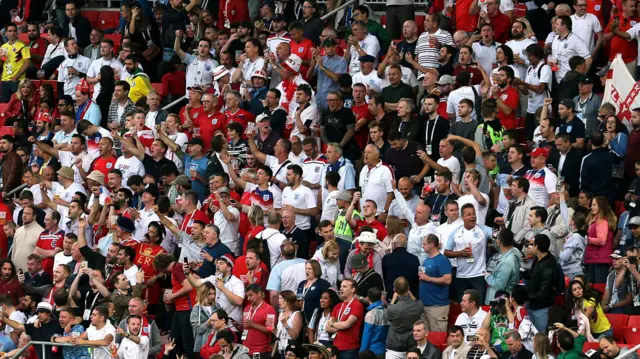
(44, 334)
(404, 163)
(575, 129)
(392, 94)
(300, 239)
(277, 119)
(235, 46)
(436, 202)
(153, 167)
(336, 125)
(407, 48)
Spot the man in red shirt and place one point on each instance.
(191, 212)
(369, 210)
(234, 113)
(258, 320)
(192, 110)
(250, 269)
(501, 23)
(360, 109)
(346, 320)
(37, 45)
(465, 21)
(183, 296)
(9, 283)
(595, 7)
(50, 241)
(145, 253)
(211, 123)
(507, 97)
(231, 12)
(621, 22)
(105, 162)
(301, 46)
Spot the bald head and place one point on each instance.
(409, 29)
(423, 212)
(460, 38)
(400, 240)
(563, 10)
(371, 155)
(401, 286)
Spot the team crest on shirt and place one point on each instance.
(299, 50)
(295, 196)
(597, 8)
(195, 115)
(347, 311)
(537, 175)
(214, 121)
(145, 330)
(96, 140)
(504, 97)
(317, 169)
(569, 128)
(109, 165)
(35, 46)
(265, 197)
(633, 23)
(207, 68)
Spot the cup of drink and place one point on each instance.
(196, 132)
(193, 172)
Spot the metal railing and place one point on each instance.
(629, 352)
(51, 344)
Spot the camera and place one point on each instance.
(632, 260)
(497, 306)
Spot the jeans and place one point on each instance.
(182, 332)
(539, 318)
(599, 336)
(8, 89)
(167, 54)
(348, 354)
(477, 283)
(396, 16)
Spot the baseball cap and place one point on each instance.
(367, 58)
(568, 103)
(181, 180)
(344, 196)
(586, 79)
(223, 190)
(446, 80)
(196, 141)
(329, 41)
(616, 254)
(634, 221)
(539, 152)
(262, 117)
(358, 261)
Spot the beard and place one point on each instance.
(518, 35)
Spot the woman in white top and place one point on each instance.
(542, 347)
(328, 258)
(289, 321)
(201, 315)
(250, 61)
(316, 328)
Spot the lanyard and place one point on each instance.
(344, 308)
(436, 202)
(251, 315)
(92, 303)
(433, 131)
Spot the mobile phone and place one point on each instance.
(256, 355)
(186, 260)
(473, 338)
(20, 271)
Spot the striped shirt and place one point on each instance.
(427, 55)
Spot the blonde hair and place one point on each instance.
(28, 83)
(330, 246)
(203, 293)
(394, 226)
(528, 32)
(256, 215)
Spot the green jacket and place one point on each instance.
(576, 352)
(375, 29)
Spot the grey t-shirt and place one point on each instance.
(464, 129)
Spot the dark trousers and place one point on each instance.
(348, 354)
(597, 273)
(396, 16)
(477, 283)
(530, 125)
(8, 89)
(182, 332)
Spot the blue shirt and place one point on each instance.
(92, 115)
(76, 352)
(335, 64)
(430, 293)
(216, 251)
(201, 166)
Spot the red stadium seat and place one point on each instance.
(158, 87)
(383, 20)
(631, 335)
(634, 321)
(600, 287)
(618, 321)
(6, 130)
(117, 39)
(109, 16)
(420, 22)
(590, 345)
(520, 10)
(438, 338)
(91, 15)
(486, 308)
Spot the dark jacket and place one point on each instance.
(313, 29)
(522, 354)
(12, 169)
(570, 168)
(172, 20)
(400, 263)
(368, 280)
(214, 166)
(402, 314)
(83, 30)
(431, 352)
(568, 87)
(597, 168)
(413, 131)
(543, 282)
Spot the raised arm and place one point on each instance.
(259, 155)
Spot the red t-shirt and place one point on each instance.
(103, 165)
(628, 49)
(302, 49)
(379, 228)
(245, 225)
(185, 302)
(5, 216)
(146, 137)
(464, 21)
(476, 79)
(510, 98)
(595, 7)
(250, 235)
(362, 136)
(348, 339)
(145, 254)
(209, 125)
(187, 221)
(256, 341)
(240, 116)
(38, 48)
(501, 27)
(174, 83)
(194, 113)
(49, 241)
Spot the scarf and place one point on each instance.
(289, 88)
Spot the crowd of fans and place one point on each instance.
(329, 188)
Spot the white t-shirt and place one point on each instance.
(248, 68)
(180, 139)
(481, 211)
(54, 51)
(634, 32)
(235, 286)
(566, 48)
(520, 47)
(297, 159)
(453, 165)
(455, 96)
(279, 169)
(303, 198)
(470, 325)
(66, 195)
(17, 316)
(69, 159)
(309, 116)
(129, 167)
(130, 350)
(312, 171)
(94, 71)
(61, 258)
(370, 81)
(485, 55)
(542, 183)
(376, 185)
(95, 334)
(81, 64)
(131, 274)
(228, 230)
(330, 207)
(199, 73)
(371, 46)
(274, 239)
(536, 100)
(586, 27)
(461, 238)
